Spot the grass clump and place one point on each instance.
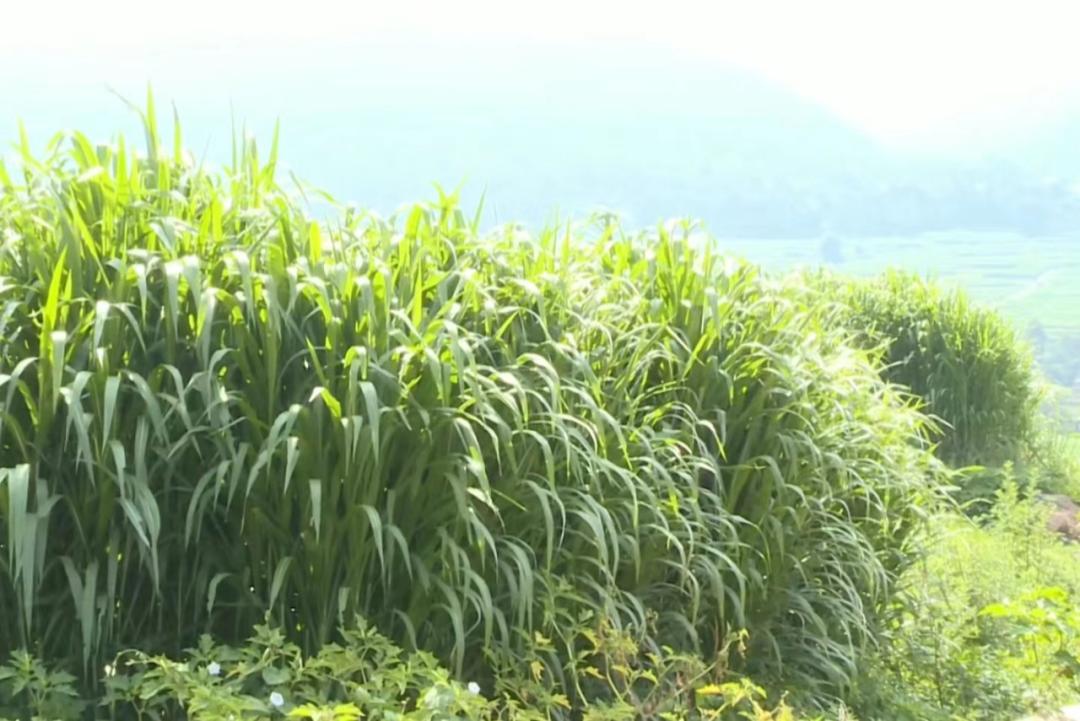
(215, 410)
(967, 365)
(965, 362)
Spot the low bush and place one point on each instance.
(986, 628)
(367, 676)
(1054, 460)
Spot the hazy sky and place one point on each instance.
(919, 71)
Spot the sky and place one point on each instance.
(917, 73)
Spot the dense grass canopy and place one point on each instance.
(213, 407)
(967, 364)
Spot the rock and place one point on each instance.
(1064, 519)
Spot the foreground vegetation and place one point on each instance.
(588, 472)
(985, 626)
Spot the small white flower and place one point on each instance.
(214, 669)
(474, 687)
(277, 700)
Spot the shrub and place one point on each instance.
(213, 407)
(985, 626)
(367, 676)
(1054, 459)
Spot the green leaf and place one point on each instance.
(273, 676)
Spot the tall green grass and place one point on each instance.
(966, 363)
(213, 407)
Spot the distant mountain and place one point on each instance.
(545, 130)
(653, 137)
(1051, 149)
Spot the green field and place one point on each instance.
(1032, 280)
